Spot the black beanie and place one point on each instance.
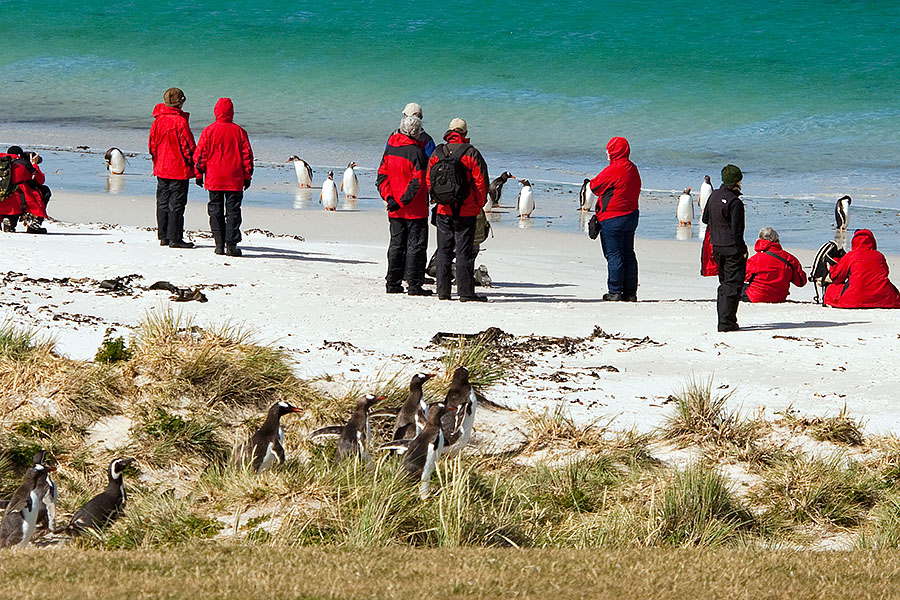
(17, 150)
(731, 175)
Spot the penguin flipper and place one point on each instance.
(332, 431)
(384, 412)
(399, 446)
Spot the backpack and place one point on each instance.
(482, 228)
(819, 273)
(450, 178)
(7, 187)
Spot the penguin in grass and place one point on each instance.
(304, 171)
(685, 209)
(20, 517)
(353, 438)
(421, 454)
(115, 161)
(411, 418)
(105, 507)
(706, 189)
(329, 194)
(47, 513)
(526, 200)
(350, 182)
(264, 448)
(586, 198)
(458, 425)
(842, 212)
(495, 189)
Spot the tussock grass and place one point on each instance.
(884, 530)
(556, 425)
(18, 343)
(485, 367)
(166, 438)
(702, 417)
(837, 429)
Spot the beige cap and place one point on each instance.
(412, 109)
(459, 125)
(173, 97)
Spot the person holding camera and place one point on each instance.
(27, 195)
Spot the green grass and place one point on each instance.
(167, 438)
(18, 343)
(700, 416)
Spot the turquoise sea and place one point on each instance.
(802, 95)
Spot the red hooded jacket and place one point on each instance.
(771, 278)
(860, 278)
(401, 176)
(618, 186)
(708, 265)
(27, 182)
(171, 143)
(478, 176)
(224, 157)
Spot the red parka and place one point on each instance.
(171, 143)
(618, 186)
(401, 176)
(478, 176)
(224, 157)
(27, 196)
(770, 277)
(708, 265)
(860, 278)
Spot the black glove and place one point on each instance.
(246, 183)
(199, 181)
(393, 205)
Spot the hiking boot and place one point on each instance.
(419, 291)
(181, 244)
(727, 328)
(36, 230)
(163, 242)
(475, 298)
(8, 226)
(630, 298)
(613, 297)
(427, 280)
(443, 297)
(232, 250)
(220, 247)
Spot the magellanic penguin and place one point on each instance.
(350, 183)
(495, 190)
(706, 189)
(329, 194)
(421, 454)
(842, 212)
(586, 198)
(353, 438)
(304, 171)
(115, 161)
(526, 200)
(685, 208)
(20, 517)
(106, 506)
(47, 512)
(264, 448)
(458, 427)
(411, 418)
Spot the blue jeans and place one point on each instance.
(617, 240)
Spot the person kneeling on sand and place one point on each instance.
(27, 195)
(224, 162)
(771, 270)
(860, 277)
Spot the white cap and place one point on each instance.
(459, 125)
(412, 109)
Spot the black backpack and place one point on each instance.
(7, 187)
(820, 272)
(450, 178)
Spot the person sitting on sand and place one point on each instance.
(29, 199)
(860, 277)
(771, 270)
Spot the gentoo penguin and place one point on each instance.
(706, 189)
(106, 506)
(586, 198)
(329, 194)
(458, 427)
(264, 448)
(115, 161)
(21, 514)
(350, 183)
(47, 512)
(304, 171)
(842, 212)
(495, 190)
(526, 200)
(685, 209)
(421, 454)
(353, 438)
(412, 415)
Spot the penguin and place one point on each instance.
(586, 198)
(105, 507)
(421, 454)
(495, 189)
(685, 209)
(413, 413)
(458, 427)
(526, 200)
(350, 183)
(264, 448)
(21, 514)
(304, 171)
(353, 438)
(706, 189)
(47, 513)
(329, 194)
(115, 161)
(842, 212)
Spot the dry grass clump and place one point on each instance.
(884, 530)
(486, 368)
(556, 425)
(164, 438)
(702, 417)
(837, 429)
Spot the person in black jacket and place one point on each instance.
(724, 215)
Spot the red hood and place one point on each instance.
(863, 238)
(224, 110)
(455, 137)
(764, 245)
(161, 109)
(618, 149)
(401, 139)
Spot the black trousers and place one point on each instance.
(407, 252)
(224, 211)
(456, 237)
(171, 198)
(732, 270)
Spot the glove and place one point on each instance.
(393, 205)
(199, 181)
(246, 183)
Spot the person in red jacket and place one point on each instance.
(224, 162)
(617, 188)
(171, 147)
(772, 270)
(860, 278)
(30, 196)
(401, 183)
(456, 224)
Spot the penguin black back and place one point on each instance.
(416, 456)
(19, 518)
(412, 410)
(458, 396)
(495, 189)
(841, 212)
(354, 437)
(47, 512)
(265, 446)
(106, 506)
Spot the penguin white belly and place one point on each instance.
(350, 184)
(29, 518)
(329, 195)
(431, 459)
(589, 200)
(705, 191)
(270, 458)
(116, 162)
(421, 416)
(842, 214)
(685, 210)
(466, 427)
(49, 501)
(302, 170)
(526, 202)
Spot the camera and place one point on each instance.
(31, 156)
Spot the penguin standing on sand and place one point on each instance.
(350, 183)
(685, 209)
(105, 507)
(458, 427)
(304, 171)
(706, 189)
(586, 198)
(353, 438)
(20, 516)
(264, 448)
(47, 513)
(495, 190)
(421, 454)
(411, 418)
(115, 161)
(329, 194)
(842, 213)
(526, 200)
